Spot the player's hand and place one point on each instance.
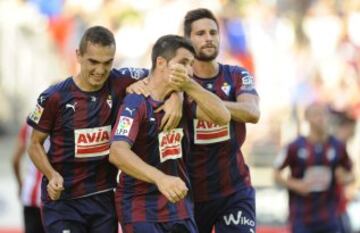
(55, 186)
(140, 88)
(342, 176)
(299, 186)
(173, 111)
(179, 78)
(173, 188)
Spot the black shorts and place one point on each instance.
(32, 220)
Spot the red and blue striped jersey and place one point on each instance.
(79, 124)
(139, 201)
(216, 164)
(316, 164)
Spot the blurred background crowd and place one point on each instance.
(299, 51)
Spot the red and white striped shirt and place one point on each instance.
(31, 190)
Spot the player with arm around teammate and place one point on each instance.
(224, 197)
(154, 193)
(78, 114)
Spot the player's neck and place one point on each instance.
(81, 83)
(317, 136)
(159, 90)
(203, 69)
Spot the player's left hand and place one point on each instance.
(173, 111)
(140, 88)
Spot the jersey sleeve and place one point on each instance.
(244, 82)
(129, 119)
(134, 73)
(284, 158)
(43, 116)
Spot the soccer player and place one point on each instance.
(317, 163)
(154, 193)
(28, 185)
(223, 194)
(78, 114)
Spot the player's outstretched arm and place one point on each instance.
(39, 158)
(121, 155)
(296, 185)
(210, 106)
(140, 87)
(245, 109)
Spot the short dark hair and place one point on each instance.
(194, 15)
(166, 47)
(96, 35)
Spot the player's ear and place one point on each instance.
(78, 54)
(161, 63)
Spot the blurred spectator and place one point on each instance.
(29, 184)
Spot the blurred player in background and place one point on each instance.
(154, 193)
(28, 184)
(318, 163)
(78, 114)
(224, 196)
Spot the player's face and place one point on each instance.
(205, 38)
(317, 116)
(96, 64)
(185, 58)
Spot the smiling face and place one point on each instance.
(95, 64)
(205, 39)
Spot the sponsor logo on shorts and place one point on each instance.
(238, 219)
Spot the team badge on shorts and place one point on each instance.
(36, 114)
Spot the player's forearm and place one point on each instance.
(128, 162)
(38, 156)
(16, 164)
(243, 112)
(209, 103)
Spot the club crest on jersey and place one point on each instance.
(124, 126)
(226, 88)
(36, 114)
(170, 144)
(247, 82)
(92, 142)
(206, 132)
(109, 101)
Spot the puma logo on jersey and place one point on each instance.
(130, 110)
(72, 106)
